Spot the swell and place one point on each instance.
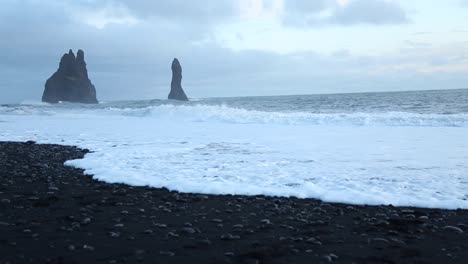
(226, 114)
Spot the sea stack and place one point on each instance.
(177, 93)
(70, 82)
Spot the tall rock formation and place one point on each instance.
(177, 93)
(70, 82)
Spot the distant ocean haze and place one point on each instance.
(400, 148)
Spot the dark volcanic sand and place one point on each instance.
(52, 213)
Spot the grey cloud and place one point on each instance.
(193, 12)
(417, 44)
(423, 33)
(374, 12)
(371, 12)
(182, 9)
(303, 6)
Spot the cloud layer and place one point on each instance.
(343, 12)
(129, 46)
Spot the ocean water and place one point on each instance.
(399, 148)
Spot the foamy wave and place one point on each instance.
(211, 149)
(226, 114)
(27, 110)
(209, 113)
(34, 103)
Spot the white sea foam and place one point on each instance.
(34, 103)
(216, 113)
(361, 158)
(203, 113)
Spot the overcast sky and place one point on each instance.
(236, 47)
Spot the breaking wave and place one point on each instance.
(226, 114)
(210, 113)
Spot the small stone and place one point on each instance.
(453, 228)
(167, 253)
(317, 223)
(160, 225)
(229, 237)
(319, 210)
(87, 247)
(217, 220)
(139, 252)
(328, 258)
(205, 242)
(398, 241)
(229, 254)
(265, 221)
(114, 234)
(382, 223)
(314, 241)
(71, 247)
(380, 240)
(172, 234)
(200, 197)
(295, 250)
(188, 230)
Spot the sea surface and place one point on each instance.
(399, 148)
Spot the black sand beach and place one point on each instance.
(50, 213)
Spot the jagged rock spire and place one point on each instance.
(177, 93)
(70, 82)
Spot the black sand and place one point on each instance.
(50, 213)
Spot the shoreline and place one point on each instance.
(53, 213)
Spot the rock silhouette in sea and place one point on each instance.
(177, 93)
(70, 82)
